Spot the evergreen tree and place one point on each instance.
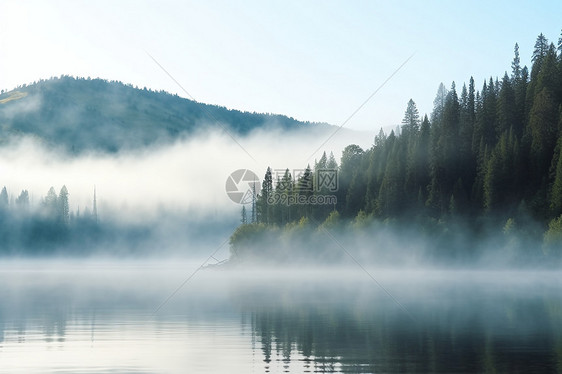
(516, 65)
(95, 207)
(471, 103)
(466, 132)
(321, 164)
(244, 217)
(305, 187)
(541, 47)
(411, 121)
(423, 154)
(445, 168)
(3, 198)
(284, 189)
(264, 203)
(411, 126)
(539, 53)
(439, 105)
(332, 163)
(548, 75)
(486, 118)
(50, 203)
(519, 114)
(23, 199)
(63, 207)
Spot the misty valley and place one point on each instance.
(142, 232)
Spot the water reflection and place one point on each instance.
(97, 320)
(459, 326)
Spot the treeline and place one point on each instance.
(491, 158)
(52, 206)
(285, 197)
(44, 227)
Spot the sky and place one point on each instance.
(314, 60)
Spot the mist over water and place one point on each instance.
(100, 316)
(374, 297)
(167, 199)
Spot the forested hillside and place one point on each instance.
(490, 158)
(79, 114)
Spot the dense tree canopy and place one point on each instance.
(488, 157)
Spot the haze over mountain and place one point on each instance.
(79, 114)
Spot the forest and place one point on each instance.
(47, 227)
(485, 163)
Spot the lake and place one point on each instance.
(94, 316)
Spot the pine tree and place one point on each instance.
(539, 53)
(63, 207)
(95, 207)
(380, 138)
(439, 105)
(486, 119)
(423, 154)
(548, 75)
(411, 128)
(244, 217)
(265, 200)
(466, 131)
(519, 114)
(332, 163)
(321, 164)
(3, 198)
(285, 189)
(50, 203)
(305, 187)
(471, 104)
(516, 65)
(22, 200)
(541, 47)
(411, 121)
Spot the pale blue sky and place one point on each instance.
(312, 60)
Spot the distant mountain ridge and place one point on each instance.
(79, 114)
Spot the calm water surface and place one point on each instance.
(99, 317)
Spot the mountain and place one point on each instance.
(79, 114)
